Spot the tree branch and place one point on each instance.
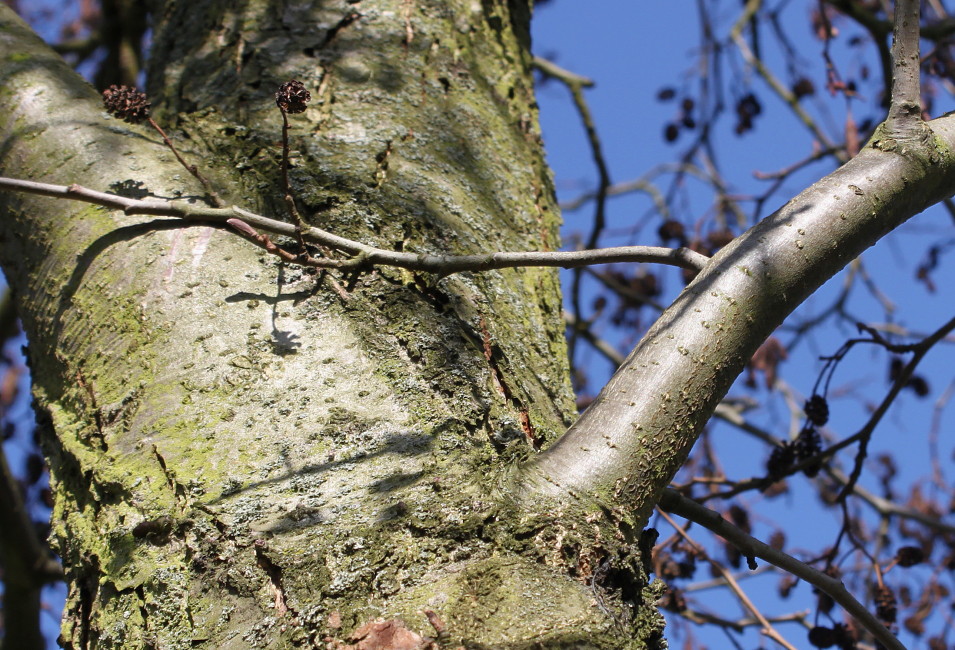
(736, 34)
(905, 108)
(576, 84)
(192, 169)
(637, 433)
(767, 628)
(749, 546)
(365, 256)
(865, 434)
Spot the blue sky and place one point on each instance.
(632, 50)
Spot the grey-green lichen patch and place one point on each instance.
(527, 603)
(325, 452)
(923, 143)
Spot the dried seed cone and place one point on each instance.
(817, 410)
(807, 444)
(292, 97)
(126, 103)
(885, 606)
(781, 460)
(910, 556)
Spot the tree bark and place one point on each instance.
(248, 455)
(242, 455)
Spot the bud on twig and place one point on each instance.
(243, 228)
(131, 105)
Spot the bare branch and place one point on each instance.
(676, 503)
(619, 189)
(884, 507)
(766, 271)
(863, 436)
(752, 6)
(576, 84)
(192, 169)
(603, 347)
(551, 69)
(905, 109)
(767, 627)
(366, 256)
(706, 618)
(27, 566)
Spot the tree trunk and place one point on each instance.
(243, 453)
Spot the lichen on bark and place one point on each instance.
(241, 456)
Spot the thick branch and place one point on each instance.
(638, 431)
(749, 546)
(27, 566)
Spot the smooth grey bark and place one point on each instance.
(638, 431)
(243, 457)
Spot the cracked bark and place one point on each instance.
(244, 402)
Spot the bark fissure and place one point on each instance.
(296, 417)
(274, 573)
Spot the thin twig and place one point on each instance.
(768, 628)
(620, 189)
(705, 618)
(749, 546)
(937, 474)
(863, 435)
(192, 169)
(287, 187)
(883, 506)
(736, 33)
(920, 349)
(878, 30)
(576, 84)
(889, 508)
(603, 347)
(365, 256)
(551, 69)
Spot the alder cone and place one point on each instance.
(126, 103)
(293, 97)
